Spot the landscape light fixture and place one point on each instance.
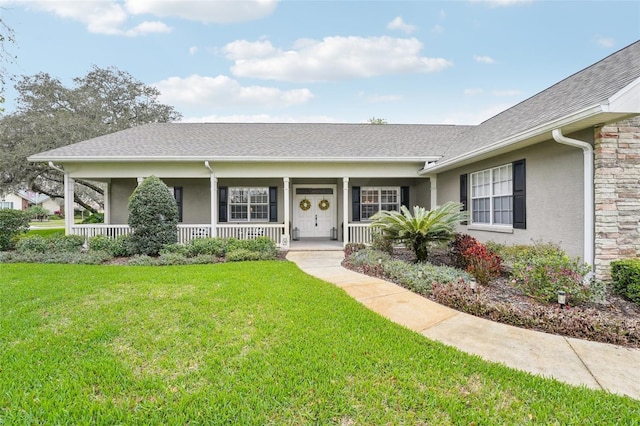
(473, 285)
(562, 298)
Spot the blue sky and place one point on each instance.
(431, 62)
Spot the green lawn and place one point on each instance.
(245, 343)
(57, 223)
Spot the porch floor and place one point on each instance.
(315, 244)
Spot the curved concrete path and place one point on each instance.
(578, 362)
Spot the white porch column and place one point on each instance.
(434, 191)
(107, 203)
(345, 210)
(68, 203)
(286, 238)
(214, 205)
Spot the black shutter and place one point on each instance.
(355, 203)
(177, 194)
(464, 194)
(223, 195)
(519, 195)
(273, 204)
(404, 196)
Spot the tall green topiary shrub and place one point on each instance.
(12, 224)
(626, 278)
(153, 217)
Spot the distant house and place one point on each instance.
(23, 200)
(562, 166)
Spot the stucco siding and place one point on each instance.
(554, 190)
(121, 190)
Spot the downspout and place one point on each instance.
(589, 224)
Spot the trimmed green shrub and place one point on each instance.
(543, 269)
(66, 242)
(121, 247)
(173, 259)
(32, 244)
(264, 245)
(381, 243)
(242, 254)
(153, 217)
(50, 244)
(175, 248)
(12, 224)
(207, 246)
(626, 278)
(101, 243)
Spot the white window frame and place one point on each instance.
(6, 205)
(248, 203)
(494, 186)
(378, 202)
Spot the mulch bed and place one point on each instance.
(615, 321)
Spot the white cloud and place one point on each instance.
(204, 11)
(398, 24)
(193, 50)
(221, 91)
(484, 59)
(607, 42)
(332, 58)
(111, 17)
(473, 92)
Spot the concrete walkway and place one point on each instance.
(578, 362)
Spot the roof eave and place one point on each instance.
(161, 159)
(518, 139)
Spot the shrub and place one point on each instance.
(101, 243)
(172, 259)
(207, 246)
(242, 254)
(38, 213)
(460, 244)
(66, 242)
(351, 248)
(482, 263)
(264, 245)
(142, 260)
(121, 247)
(153, 217)
(94, 218)
(32, 244)
(12, 224)
(381, 243)
(626, 278)
(175, 248)
(544, 269)
(55, 217)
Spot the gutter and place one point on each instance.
(589, 226)
(165, 158)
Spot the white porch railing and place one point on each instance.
(361, 233)
(189, 232)
(93, 229)
(248, 232)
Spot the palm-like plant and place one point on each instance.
(416, 230)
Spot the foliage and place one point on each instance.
(417, 277)
(375, 120)
(68, 257)
(191, 344)
(543, 269)
(381, 243)
(12, 224)
(38, 213)
(101, 243)
(7, 36)
(626, 278)
(482, 263)
(240, 255)
(94, 218)
(261, 248)
(351, 248)
(50, 244)
(153, 217)
(421, 227)
(459, 245)
(579, 323)
(50, 115)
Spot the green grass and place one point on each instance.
(57, 223)
(45, 232)
(245, 343)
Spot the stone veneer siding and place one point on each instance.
(617, 194)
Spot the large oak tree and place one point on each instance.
(49, 115)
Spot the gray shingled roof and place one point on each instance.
(216, 141)
(255, 140)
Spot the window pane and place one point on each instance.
(260, 212)
(238, 212)
(259, 195)
(368, 210)
(237, 195)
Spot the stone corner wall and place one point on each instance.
(617, 194)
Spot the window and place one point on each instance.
(6, 205)
(249, 204)
(372, 200)
(492, 196)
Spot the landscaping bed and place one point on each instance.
(612, 320)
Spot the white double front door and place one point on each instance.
(314, 211)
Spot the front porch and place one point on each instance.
(357, 233)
